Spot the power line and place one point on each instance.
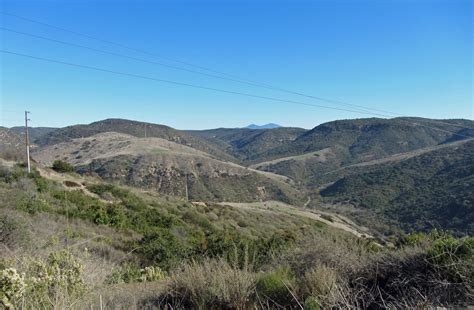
(144, 77)
(210, 88)
(234, 78)
(221, 75)
(116, 44)
(125, 56)
(261, 85)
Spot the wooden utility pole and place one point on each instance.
(27, 142)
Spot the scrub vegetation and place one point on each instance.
(73, 247)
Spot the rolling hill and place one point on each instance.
(12, 145)
(133, 128)
(33, 132)
(248, 144)
(286, 164)
(165, 166)
(371, 138)
(431, 190)
(341, 143)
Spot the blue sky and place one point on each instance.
(409, 57)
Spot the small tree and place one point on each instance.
(62, 166)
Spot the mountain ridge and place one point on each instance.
(165, 166)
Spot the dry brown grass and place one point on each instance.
(321, 282)
(134, 296)
(212, 284)
(407, 278)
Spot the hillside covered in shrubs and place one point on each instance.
(392, 175)
(432, 190)
(77, 242)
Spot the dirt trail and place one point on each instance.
(403, 156)
(307, 202)
(320, 155)
(331, 219)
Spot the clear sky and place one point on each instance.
(410, 57)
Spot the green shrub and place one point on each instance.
(151, 274)
(59, 278)
(242, 251)
(146, 221)
(74, 197)
(128, 199)
(54, 283)
(99, 189)
(112, 215)
(163, 249)
(101, 217)
(311, 303)
(62, 166)
(33, 205)
(446, 250)
(415, 238)
(12, 287)
(277, 285)
(129, 273)
(117, 217)
(41, 183)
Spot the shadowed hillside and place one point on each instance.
(33, 132)
(247, 144)
(364, 139)
(340, 143)
(432, 190)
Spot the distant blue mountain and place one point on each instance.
(266, 126)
